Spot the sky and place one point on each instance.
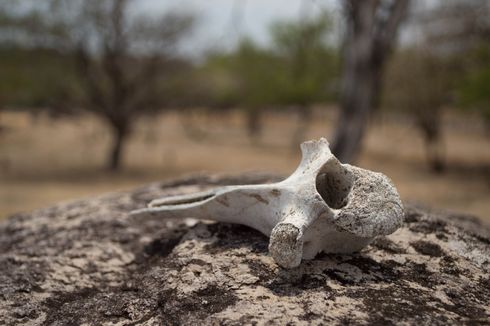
(222, 22)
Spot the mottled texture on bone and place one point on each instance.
(376, 200)
(324, 206)
(89, 263)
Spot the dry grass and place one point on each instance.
(45, 161)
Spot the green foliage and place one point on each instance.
(309, 64)
(421, 83)
(474, 90)
(416, 82)
(33, 72)
(93, 55)
(296, 70)
(33, 78)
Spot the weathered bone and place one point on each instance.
(324, 206)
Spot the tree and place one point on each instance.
(31, 76)
(418, 83)
(461, 30)
(371, 29)
(309, 66)
(247, 78)
(125, 62)
(295, 71)
(447, 63)
(474, 89)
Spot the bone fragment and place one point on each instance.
(324, 206)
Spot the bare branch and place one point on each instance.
(387, 27)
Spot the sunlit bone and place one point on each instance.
(324, 206)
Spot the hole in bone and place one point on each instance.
(183, 201)
(334, 183)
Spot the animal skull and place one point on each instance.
(324, 206)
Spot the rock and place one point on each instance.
(88, 262)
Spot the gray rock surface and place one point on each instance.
(88, 262)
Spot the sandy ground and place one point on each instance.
(43, 161)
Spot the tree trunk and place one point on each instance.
(430, 127)
(486, 121)
(254, 125)
(358, 97)
(435, 154)
(304, 119)
(119, 137)
(371, 31)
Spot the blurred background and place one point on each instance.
(104, 95)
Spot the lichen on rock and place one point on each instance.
(89, 262)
